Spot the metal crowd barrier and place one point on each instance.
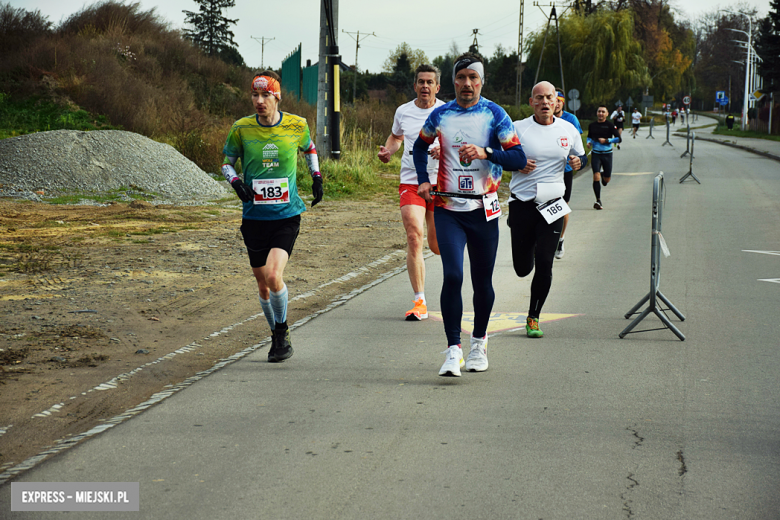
(652, 124)
(690, 163)
(687, 141)
(667, 134)
(657, 246)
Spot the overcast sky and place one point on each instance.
(432, 26)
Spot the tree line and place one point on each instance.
(614, 51)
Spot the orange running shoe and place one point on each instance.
(419, 312)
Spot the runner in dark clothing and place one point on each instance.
(601, 135)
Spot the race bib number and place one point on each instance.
(271, 191)
(553, 209)
(492, 207)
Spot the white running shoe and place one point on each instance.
(453, 362)
(477, 360)
(559, 251)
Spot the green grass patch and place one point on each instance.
(722, 130)
(20, 116)
(357, 175)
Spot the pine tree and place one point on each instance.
(212, 30)
(768, 45)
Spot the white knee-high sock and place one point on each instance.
(268, 311)
(279, 304)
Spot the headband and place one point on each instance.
(560, 94)
(469, 63)
(267, 84)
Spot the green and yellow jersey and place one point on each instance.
(269, 159)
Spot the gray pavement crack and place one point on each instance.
(683, 467)
(638, 439)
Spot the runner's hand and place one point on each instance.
(244, 192)
(529, 167)
(384, 154)
(316, 189)
(471, 152)
(575, 162)
(424, 191)
(435, 152)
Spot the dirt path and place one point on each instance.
(90, 294)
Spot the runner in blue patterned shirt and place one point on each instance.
(477, 143)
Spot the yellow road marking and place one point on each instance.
(501, 321)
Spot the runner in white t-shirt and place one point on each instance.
(617, 117)
(415, 211)
(636, 118)
(549, 144)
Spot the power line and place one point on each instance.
(262, 41)
(357, 46)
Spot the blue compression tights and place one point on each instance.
(455, 231)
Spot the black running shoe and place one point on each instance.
(598, 205)
(281, 348)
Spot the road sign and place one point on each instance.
(574, 94)
(720, 94)
(723, 101)
(619, 103)
(755, 96)
(629, 102)
(687, 100)
(574, 104)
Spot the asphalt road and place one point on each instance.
(578, 424)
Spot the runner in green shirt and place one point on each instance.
(267, 144)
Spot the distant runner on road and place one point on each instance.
(536, 208)
(618, 117)
(601, 135)
(415, 211)
(636, 119)
(477, 142)
(267, 144)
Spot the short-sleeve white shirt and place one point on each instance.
(550, 146)
(408, 121)
(636, 117)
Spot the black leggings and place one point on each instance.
(534, 242)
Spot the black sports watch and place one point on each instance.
(489, 152)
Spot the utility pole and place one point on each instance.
(520, 55)
(553, 14)
(262, 41)
(474, 47)
(357, 46)
(328, 102)
(745, 102)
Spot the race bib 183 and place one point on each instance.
(271, 191)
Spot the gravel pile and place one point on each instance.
(70, 161)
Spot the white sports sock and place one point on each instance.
(268, 311)
(279, 304)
